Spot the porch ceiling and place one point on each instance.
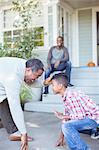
(82, 3)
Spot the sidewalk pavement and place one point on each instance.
(44, 128)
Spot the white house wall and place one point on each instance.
(85, 36)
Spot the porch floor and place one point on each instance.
(45, 128)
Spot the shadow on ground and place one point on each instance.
(44, 128)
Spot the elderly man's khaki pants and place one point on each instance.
(6, 117)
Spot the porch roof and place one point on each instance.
(82, 3)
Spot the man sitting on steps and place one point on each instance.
(58, 60)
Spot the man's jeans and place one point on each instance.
(64, 66)
(71, 133)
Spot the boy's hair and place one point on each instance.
(35, 64)
(61, 78)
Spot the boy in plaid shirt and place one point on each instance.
(81, 113)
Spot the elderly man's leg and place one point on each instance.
(6, 118)
(1, 125)
(8, 122)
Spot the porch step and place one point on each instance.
(85, 79)
(84, 75)
(85, 69)
(89, 89)
(57, 99)
(51, 98)
(43, 107)
(86, 89)
(85, 82)
(51, 103)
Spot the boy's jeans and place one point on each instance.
(71, 130)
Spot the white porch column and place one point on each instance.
(50, 22)
(1, 27)
(75, 39)
(94, 36)
(46, 43)
(55, 23)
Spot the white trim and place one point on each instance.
(92, 7)
(65, 29)
(55, 23)
(94, 36)
(1, 26)
(66, 6)
(69, 35)
(46, 44)
(75, 39)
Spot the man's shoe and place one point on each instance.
(45, 92)
(18, 138)
(1, 125)
(95, 135)
(70, 85)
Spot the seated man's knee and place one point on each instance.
(48, 71)
(69, 63)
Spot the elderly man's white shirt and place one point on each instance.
(12, 71)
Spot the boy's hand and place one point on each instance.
(58, 114)
(61, 116)
(47, 81)
(60, 141)
(57, 64)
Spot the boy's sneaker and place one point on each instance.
(95, 135)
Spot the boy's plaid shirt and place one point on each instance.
(80, 106)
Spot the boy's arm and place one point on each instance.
(60, 141)
(61, 116)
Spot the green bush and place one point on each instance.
(25, 94)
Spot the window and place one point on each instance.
(8, 18)
(39, 36)
(11, 37)
(7, 39)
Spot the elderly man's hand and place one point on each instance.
(57, 64)
(47, 81)
(24, 142)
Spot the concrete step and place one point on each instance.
(86, 89)
(84, 75)
(85, 79)
(85, 82)
(95, 98)
(52, 98)
(89, 90)
(85, 69)
(51, 103)
(57, 99)
(43, 107)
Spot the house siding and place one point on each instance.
(85, 36)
